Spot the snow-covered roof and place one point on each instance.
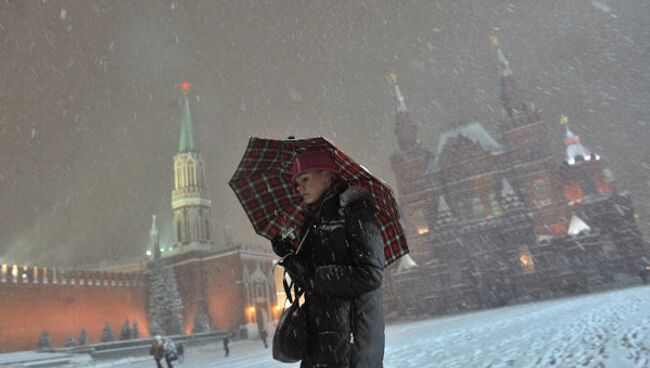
(577, 226)
(442, 204)
(506, 189)
(574, 148)
(406, 263)
(473, 131)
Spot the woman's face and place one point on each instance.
(313, 184)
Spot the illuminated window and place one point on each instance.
(14, 273)
(421, 223)
(526, 259)
(3, 273)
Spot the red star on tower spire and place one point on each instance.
(186, 86)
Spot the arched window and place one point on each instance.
(179, 236)
(200, 174)
(186, 226)
(179, 175)
(206, 225)
(195, 224)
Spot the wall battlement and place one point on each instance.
(22, 275)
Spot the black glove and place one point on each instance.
(281, 247)
(298, 271)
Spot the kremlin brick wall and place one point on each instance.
(34, 299)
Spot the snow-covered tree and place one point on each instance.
(125, 333)
(107, 333)
(201, 322)
(136, 330)
(44, 341)
(70, 342)
(154, 329)
(83, 337)
(165, 303)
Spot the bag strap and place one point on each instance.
(287, 289)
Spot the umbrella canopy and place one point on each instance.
(266, 190)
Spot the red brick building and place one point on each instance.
(494, 219)
(234, 286)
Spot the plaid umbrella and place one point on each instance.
(265, 188)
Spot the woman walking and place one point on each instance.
(340, 264)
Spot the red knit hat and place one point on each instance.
(312, 161)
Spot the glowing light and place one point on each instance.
(423, 230)
(148, 253)
(571, 161)
(526, 259)
(251, 309)
(393, 77)
(186, 86)
(587, 158)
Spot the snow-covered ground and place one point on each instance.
(610, 329)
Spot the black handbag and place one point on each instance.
(290, 337)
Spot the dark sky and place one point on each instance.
(90, 106)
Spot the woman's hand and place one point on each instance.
(298, 272)
(281, 247)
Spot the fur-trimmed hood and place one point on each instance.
(354, 194)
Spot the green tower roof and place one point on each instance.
(188, 142)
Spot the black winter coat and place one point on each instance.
(345, 313)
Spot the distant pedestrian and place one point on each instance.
(170, 351)
(643, 273)
(263, 336)
(159, 351)
(226, 345)
(180, 350)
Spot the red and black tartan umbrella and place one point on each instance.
(265, 188)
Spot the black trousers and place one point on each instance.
(169, 364)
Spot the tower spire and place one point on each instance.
(504, 65)
(188, 142)
(401, 106)
(509, 95)
(405, 129)
(190, 201)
